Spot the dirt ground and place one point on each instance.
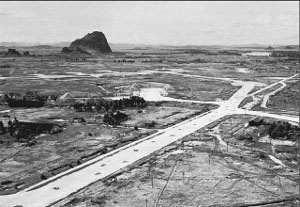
(286, 101)
(163, 115)
(189, 172)
(22, 165)
(196, 171)
(54, 73)
(198, 89)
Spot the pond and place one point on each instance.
(243, 70)
(267, 54)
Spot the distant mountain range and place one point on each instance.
(277, 46)
(130, 45)
(27, 44)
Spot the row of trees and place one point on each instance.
(110, 105)
(30, 99)
(152, 61)
(124, 61)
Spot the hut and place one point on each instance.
(257, 121)
(115, 118)
(66, 98)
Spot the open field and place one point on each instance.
(286, 100)
(228, 176)
(178, 85)
(23, 165)
(149, 104)
(60, 74)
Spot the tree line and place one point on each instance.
(281, 129)
(124, 61)
(30, 99)
(110, 105)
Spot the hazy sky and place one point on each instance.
(180, 23)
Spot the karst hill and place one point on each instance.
(92, 43)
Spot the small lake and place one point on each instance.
(257, 54)
(243, 70)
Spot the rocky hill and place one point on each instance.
(92, 43)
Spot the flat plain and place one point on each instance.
(227, 162)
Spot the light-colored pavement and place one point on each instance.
(266, 97)
(64, 184)
(273, 84)
(256, 98)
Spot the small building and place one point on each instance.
(66, 98)
(78, 120)
(257, 121)
(149, 124)
(115, 118)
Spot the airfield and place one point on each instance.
(191, 142)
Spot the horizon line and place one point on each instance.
(153, 44)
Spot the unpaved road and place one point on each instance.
(71, 181)
(266, 97)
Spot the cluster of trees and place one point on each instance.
(30, 99)
(88, 106)
(110, 105)
(208, 52)
(276, 130)
(153, 61)
(5, 66)
(291, 54)
(230, 52)
(114, 118)
(189, 61)
(124, 61)
(193, 51)
(280, 129)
